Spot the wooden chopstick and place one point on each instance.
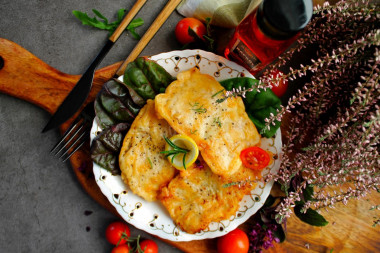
(158, 22)
(127, 19)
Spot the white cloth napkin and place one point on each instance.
(224, 13)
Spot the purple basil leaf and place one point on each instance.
(104, 157)
(103, 119)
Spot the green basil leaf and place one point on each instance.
(258, 105)
(135, 79)
(311, 216)
(158, 77)
(308, 192)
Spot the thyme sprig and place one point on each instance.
(175, 151)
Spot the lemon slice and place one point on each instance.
(183, 142)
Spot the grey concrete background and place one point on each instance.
(42, 206)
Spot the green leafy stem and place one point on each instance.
(103, 22)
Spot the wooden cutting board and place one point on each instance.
(40, 84)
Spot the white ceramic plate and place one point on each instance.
(152, 217)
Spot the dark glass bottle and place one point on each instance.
(267, 32)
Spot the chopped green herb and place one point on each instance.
(239, 183)
(103, 22)
(217, 121)
(220, 100)
(198, 108)
(175, 151)
(150, 162)
(217, 93)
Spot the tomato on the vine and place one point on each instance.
(149, 246)
(255, 158)
(182, 30)
(117, 233)
(235, 241)
(124, 248)
(279, 88)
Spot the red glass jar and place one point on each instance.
(267, 32)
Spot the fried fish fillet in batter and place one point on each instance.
(221, 130)
(142, 165)
(197, 197)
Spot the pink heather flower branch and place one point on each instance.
(337, 16)
(314, 87)
(334, 119)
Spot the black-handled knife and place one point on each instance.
(79, 93)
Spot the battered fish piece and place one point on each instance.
(197, 197)
(142, 165)
(221, 130)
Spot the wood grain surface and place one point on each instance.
(26, 77)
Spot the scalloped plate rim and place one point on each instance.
(183, 236)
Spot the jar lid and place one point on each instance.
(282, 19)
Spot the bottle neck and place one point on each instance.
(268, 28)
(260, 33)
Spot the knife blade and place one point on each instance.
(79, 93)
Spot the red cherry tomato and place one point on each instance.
(124, 248)
(235, 241)
(149, 246)
(182, 30)
(255, 158)
(279, 88)
(117, 233)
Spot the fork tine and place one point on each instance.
(67, 133)
(80, 127)
(72, 144)
(76, 149)
(76, 135)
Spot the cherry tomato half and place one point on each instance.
(255, 158)
(235, 241)
(149, 246)
(182, 30)
(117, 233)
(124, 248)
(280, 88)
